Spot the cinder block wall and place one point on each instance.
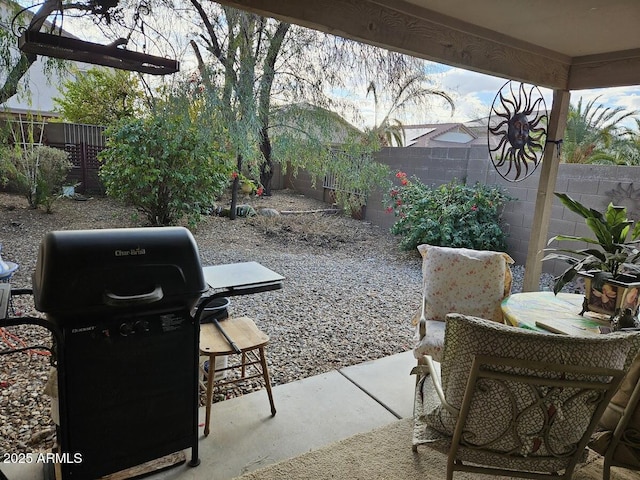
(593, 185)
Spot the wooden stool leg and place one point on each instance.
(267, 381)
(243, 371)
(211, 373)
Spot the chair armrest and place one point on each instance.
(422, 323)
(429, 367)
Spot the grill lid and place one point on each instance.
(101, 271)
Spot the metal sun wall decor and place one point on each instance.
(517, 131)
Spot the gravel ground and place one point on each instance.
(348, 295)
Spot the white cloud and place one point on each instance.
(465, 82)
(475, 92)
(625, 97)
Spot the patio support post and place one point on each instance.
(546, 185)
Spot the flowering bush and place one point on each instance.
(451, 215)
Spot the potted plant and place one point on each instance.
(610, 262)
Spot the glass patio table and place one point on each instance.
(544, 311)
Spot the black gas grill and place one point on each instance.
(121, 301)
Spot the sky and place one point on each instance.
(474, 93)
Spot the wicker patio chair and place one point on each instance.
(617, 435)
(458, 280)
(515, 402)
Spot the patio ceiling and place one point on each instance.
(566, 45)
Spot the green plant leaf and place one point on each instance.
(574, 206)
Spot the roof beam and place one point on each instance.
(616, 69)
(407, 28)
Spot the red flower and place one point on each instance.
(259, 191)
(474, 208)
(401, 175)
(389, 209)
(404, 181)
(394, 192)
(398, 202)
(234, 175)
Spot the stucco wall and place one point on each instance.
(593, 185)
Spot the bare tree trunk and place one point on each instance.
(234, 190)
(264, 104)
(266, 167)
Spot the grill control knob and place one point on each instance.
(126, 329)
(141, 326)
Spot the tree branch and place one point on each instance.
(214, 48)
(10, 87)
(269, 71)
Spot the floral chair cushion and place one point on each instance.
(467, 337)
(460, 280)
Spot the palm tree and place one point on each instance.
(626, 148)
(592, 132)
(411, 92)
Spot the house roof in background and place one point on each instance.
(447, 135)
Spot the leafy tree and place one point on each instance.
(166, 165)
(591, 131)
(410, 92)
(99, 96)
(625, 148)
(259, 65)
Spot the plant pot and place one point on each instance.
(246, 188)
(217, 309)
(614, 296)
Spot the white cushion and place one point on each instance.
(460, 280)
(433, 342)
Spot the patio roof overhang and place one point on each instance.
(567, 45)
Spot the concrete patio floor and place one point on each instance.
(312, 413)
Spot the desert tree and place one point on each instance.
(261, 67)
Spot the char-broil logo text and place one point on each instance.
(130, 253)
(83, 329)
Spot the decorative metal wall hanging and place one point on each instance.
(113, 55)
(517, 131)
(56, 43)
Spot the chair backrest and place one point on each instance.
(618, 431)
(460, 280)
(527, 401)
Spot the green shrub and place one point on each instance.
(451, 215)
(165, 165)
(38, 173)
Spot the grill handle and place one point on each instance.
(122, 301)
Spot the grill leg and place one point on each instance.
(195, 459)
